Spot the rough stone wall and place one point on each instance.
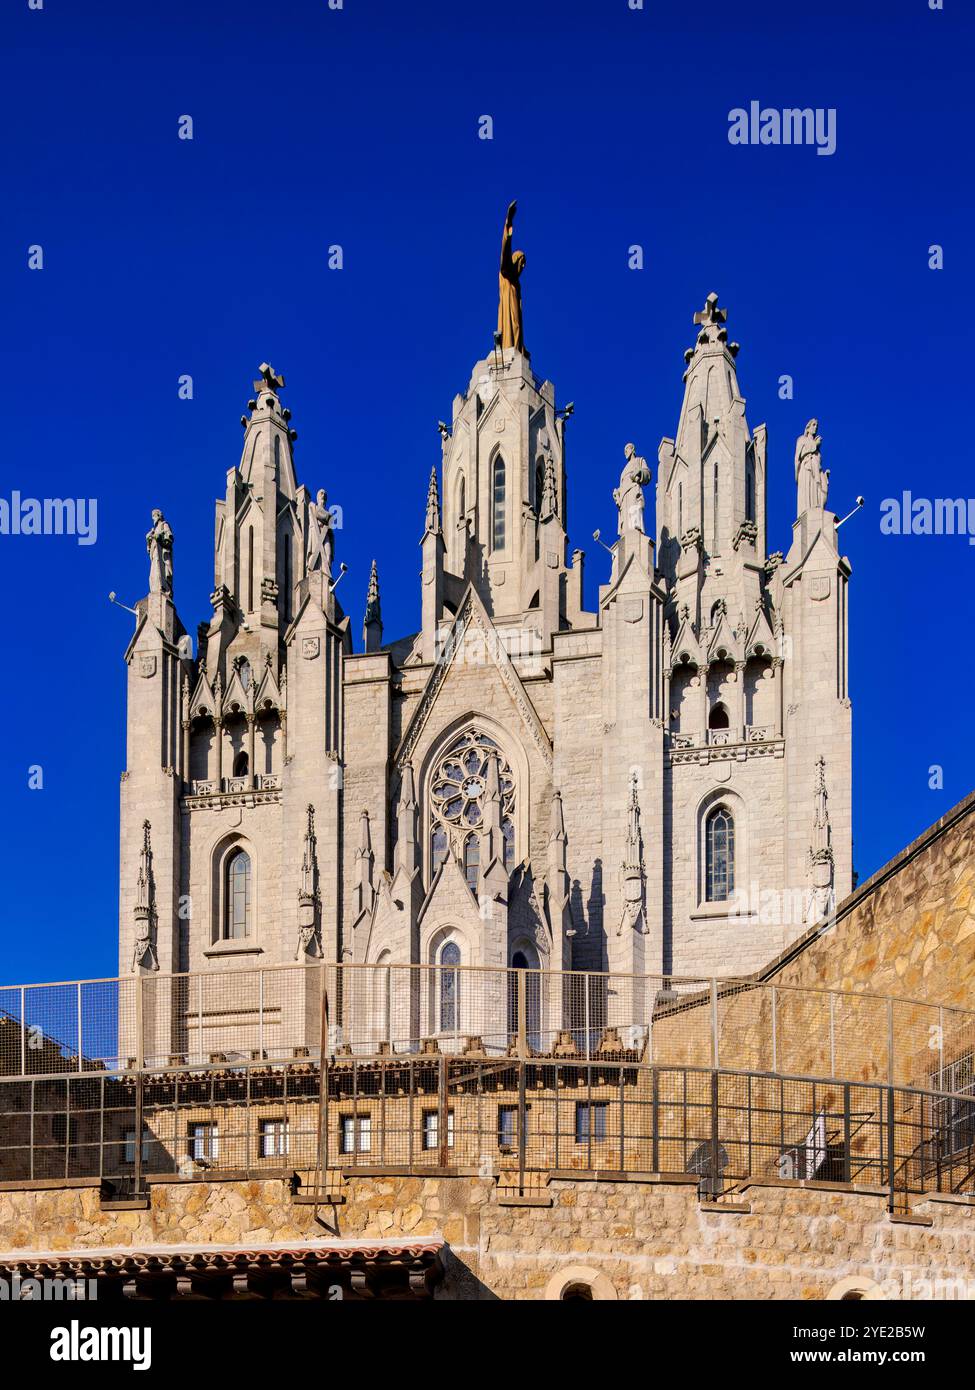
(648, 1240)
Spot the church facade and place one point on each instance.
(659, 785)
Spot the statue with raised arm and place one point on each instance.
(321, 537)
(159, 545)
(629, 495)
(812, 479)
(510, 324)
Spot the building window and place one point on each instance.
(129, 1154)
(431, 1129)
(275, 1139)
(591, 1121)
(497, 505)
(472, 861)
(954, 1118)
(717, 514)
(718, 717)
(238, 915)
(508, 838)
(457, 790)
(749, 488)
(507, 1127)
(355, 1134)
(204, 1142)
(449, 985)
(680, 510)
(438, 847)
(719, 848)
(240, 765)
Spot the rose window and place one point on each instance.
(457, 798)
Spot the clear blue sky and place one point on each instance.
(359, 127)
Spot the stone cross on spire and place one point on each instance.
(270, 379)
(711, 315)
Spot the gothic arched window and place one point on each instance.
(749, 488)
(238, 910)
(526, 959)
(719, 850)
(539, 484)
(717, 513)
(718, 717)
(449, 986)
(461, 499)
(456, 796)
(240, 765)
(508, 837)
(497, 505)
(472, 861)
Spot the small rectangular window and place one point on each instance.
(129, 1154)
(204, 1145)
(507, 1126)
(355, 1133)
(275, 1139)
(431, 1129)
(591, 1121)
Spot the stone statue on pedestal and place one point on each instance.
(159, 545)
(629, 495)
(321, 537)
(510, 324)
(811, 478)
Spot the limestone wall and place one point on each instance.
(628, 1240)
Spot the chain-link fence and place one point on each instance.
(290, 1013)
(509, 1117)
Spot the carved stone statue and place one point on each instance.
(811, 478)
(510, 324)
(321, 537)
(159, 545)
(629, 495)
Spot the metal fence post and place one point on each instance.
(522, 1124)
(522, 1013)
(23, 1031)
(847, 1156)
(714, 1023)
(890, 1041)
(80, 1065)
(775, 1029)
(891, 1150)
(832, 1033)
(715, 1137)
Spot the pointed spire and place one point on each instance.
(406, 856)
(821, 827)
(364, 862)
(433, 503)
(144, 912)
(821, 897)
(631, 875)
(372, 627)
(309, 942)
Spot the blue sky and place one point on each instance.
(359, 127)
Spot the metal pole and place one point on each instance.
(715, 1143)
(890, 1041)
(522, 1125)
(522, 1013)
(585, 983)
(775, 1029)
(714, 1023)
(890, 1147)
(23, 1031)
(80, 1067)
(260, 1015)
(847, 1164)
(655, 1122)
(832, 1034)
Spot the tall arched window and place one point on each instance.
(719, 849)
(238, 913)
(250, 568)
(539, 484)
(680, 510)
(508, 837)
(749, 488)
(717, 513)
(240, 765)
(438, 847)
(526, 960)
(497, 505)
(449, 987)
(472, 861)
(718, 717)
(461, 499)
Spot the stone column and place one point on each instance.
(778, 667)
(738, 716)
(251, 727)
(702, 671)
(186, 754)
(218, 729)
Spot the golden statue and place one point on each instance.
(510, 324)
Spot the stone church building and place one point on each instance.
(659, 785)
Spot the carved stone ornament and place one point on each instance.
(147, 666)
(310, 648)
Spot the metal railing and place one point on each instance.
(510, 1117)
(283, 1013)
